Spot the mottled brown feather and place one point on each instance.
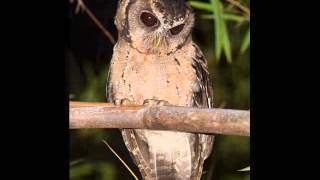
(178, 74)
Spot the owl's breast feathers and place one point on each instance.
(181, 79)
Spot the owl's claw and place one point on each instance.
(122, 102)
(153, 102)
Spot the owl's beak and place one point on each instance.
(159, 40)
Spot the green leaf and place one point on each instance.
(245, 42)
(233, 17)
(245, 169)
(226, 43)
(201, 5)
(222, 36)
(218, 29)
(229, 17)
(80, 171)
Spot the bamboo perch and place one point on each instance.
(106, 115)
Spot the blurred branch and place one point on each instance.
(106, 115)
(240, 6)
(82, 6)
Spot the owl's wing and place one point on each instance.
(203, 98)
(109, 86)
(132, 143)
(137, 152)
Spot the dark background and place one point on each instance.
(88, 55)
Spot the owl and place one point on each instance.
(155, 62)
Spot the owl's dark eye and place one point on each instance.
(148, 19)
(176, 30)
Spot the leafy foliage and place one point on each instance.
(221, 16)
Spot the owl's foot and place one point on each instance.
(153, 102)
(122, 102)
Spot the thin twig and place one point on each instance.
(75, 162)
(122, 161)
(82, 6)
(240, 6)
(173, 118)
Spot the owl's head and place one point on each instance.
(155, 26)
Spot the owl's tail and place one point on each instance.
(162, 168)
(167, 161)
(166, 170)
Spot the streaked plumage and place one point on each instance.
(171, 69)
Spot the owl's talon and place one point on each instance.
(163, 103)
(154, 102)
(122, 102)
(117, 102)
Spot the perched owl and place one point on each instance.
(155, 61)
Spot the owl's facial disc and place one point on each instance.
(156, 26)
(165, 34)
